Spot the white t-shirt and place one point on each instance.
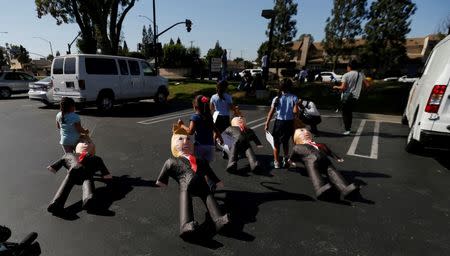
(310, 108)
(353, 86)
(222, 106)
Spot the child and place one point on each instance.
(222, 103)
(202, 125)
(285, 105)
(69, 125)
(309, 114)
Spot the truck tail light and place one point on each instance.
(50, 85)
(434, 102)
(82, 84)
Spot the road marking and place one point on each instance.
(165, 118)
(261, 124)
(374, 147)
(254, 121)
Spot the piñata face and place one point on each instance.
(85, 145)
(238, 121)
(181, 145)
(301, 136)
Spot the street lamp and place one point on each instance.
(50, 43)
(269, 14)
(151, 21)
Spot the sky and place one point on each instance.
(236, 24)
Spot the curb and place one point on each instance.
(396, 119)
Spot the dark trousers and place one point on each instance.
(347, 113)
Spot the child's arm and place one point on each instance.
(190, 129)
(57, 125)
(80, 129)
(269, 117)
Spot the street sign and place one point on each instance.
(215, 64)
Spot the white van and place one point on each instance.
(428, 110)
(105, 80)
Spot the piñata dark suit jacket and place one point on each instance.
(242, 145)
(192, 184)
(316, 161)
(79, 173)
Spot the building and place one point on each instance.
(313, 55)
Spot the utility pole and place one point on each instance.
(191, 43)
(155, 37)
(229, 54)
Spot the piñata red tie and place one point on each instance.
(193, 162)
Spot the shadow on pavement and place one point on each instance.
(138, 109)
(115, 190)
(243, 207)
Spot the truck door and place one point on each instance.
(125, 84)
(150, 79)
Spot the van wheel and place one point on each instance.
(161, 97)
(412, 145)
(5, 93)
(105, 102)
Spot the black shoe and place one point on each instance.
(188, 230)
(55, 209)
(224, 155)
(349, 191)
(222, 222)
(232, 168)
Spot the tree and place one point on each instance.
(342, 27)
(215, 52)
(50, 57)
(238, 59)
(20, 53)
(178, 41)
(284, 30)
(57, 53)
(444, 27)
(386, 35)
(174, 55)
(171, 42)
(263, 48)
(147, 42)
(100, 22)
(3, 60)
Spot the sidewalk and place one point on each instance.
(332, 114)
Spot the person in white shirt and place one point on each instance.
(309, 114)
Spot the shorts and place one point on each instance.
(283, 130)
(222, 123)
(205, 152)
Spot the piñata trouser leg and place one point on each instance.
(233, 158)
(339, 181)
(88, 192)
(319, 185)
(62, 194)
(251, 159)
(187, 223)
(216, 215)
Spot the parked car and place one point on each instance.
(104, 80)
(408, 79)
(328, 76)
(14, 82)
(427, 112)
(390, 79)
(42, 90)
(253, 71)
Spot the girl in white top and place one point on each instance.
(220, 104)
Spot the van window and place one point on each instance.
(123, 67)
(25, 77)
(58, 66)
(134, 68)
(147, 69)
(12, 76)
(69, 66)
(101, 66)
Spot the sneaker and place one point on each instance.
(346, 133)
(276, 165)
(285, 163)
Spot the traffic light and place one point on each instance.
(188, 25)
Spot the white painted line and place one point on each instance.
(352, 149)
(149, 121)
(254, 121)
(374, 147)
(164, 119)
(261, 124)
(374, 150)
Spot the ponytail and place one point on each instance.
(221, 88)
(64, 106)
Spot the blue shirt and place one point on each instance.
(285, 106)
(68, 132)
(222, 106)
(203, 130)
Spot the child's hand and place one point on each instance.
(259, 146)
(160, 184)
(107, 177)
(340, 160)
(180, 122)
(220, 184)
(86, 131)
(266, 127)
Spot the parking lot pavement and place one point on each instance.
(403, 209)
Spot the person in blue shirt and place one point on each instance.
(222, 103)
(69, 125)
(202, 125)
(284, 105)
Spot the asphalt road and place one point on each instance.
(403, 210)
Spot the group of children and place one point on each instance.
(210, 125)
